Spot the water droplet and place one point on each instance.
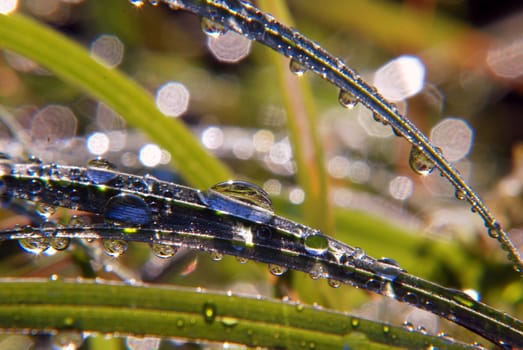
(422, 330)
(387, 268)
(242, 260)
(379, 118)
(211, 28)
(129, 209)
(334, 283)
(35, 187)
(277, 270)
(34, 245)
(215, 256)
(245, 192)
(494, 230)
(44, 209)
(229, 322)
(101, 171)
(358, 253)
(154, 2)
(163, 251)
(297, 68)
(209, 312)
(347, 99)
(354, 322)
(300, 307)
(316, 271)
(419, 162)
(137, 3)
(114, 247)
(316, 244)
(411, 298)
(460, 195)
(68, 339)
(59, 243)
(408, 326)
(386, 329)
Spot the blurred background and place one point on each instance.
(454, 67)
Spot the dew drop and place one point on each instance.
(35, 187)
(347, 99)
(215, 256)
(164, 251)
(411, 298)
(316, 271)
(354, 322)
(494, 230)
(59, 243)
(100, 170)
(460, 195)
(297, 68)
(114, 247)
(209, 312)
(379, 118)
(137, 3)
(316, 244)
(300, 307)
(387, 268)
(334, 283)
(127, 208)
(419, 162)
(34, 245)
(386, 329)
(245, 192)
(229, 322)
(180, 323)
(45, 210)
(68, 339)
(212, 28)
(277, 270)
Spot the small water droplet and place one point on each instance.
(127, 208)
(297, 68)
(419, 162)
(215, 256)
(334, 283)
(354, 322)
(316, 271)
(379, 118)
(460, 195)
(358, 253)
(300, 307)
(59, 243)
(209, 312)
(387, 268)
(316, 244)
(422, 330)
(114, 247)
(137, 3)
(44, 209)
(408, 326)
(245, 192)
(35, 187)
(34, 245)
(229, 322)
(386, 329)
(101, 171)
(494, 230)
(68, 339)
(163, 251)
(180, 323)
(411, 298)
(211, 28)
(277, 270)
(347, 99)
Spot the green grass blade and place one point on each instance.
(175, 312)
(72, 63)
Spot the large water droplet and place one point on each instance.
(163, 251)
(114, 247)
(316, 271)
(127, 208)
(34, 245)
(245, 192)
(316, 244)
(347, 99)
(419, 162)
(277, 270)
(211, 28)
(209, 312)
(297, 68)
(101, 171)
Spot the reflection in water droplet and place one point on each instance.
(347, 99)
(316, 271)
(245, 192)
(34, 245)
(137, 3)
(460, 195)
(211, 28)
(127, 208)
(494, 230)
(297, 68)
(100, 171)
(68, 339)
(334, 283)
(316, 244)
(215, 256)
(277, 270)
(44, 209)
(163, 251)
(209, 312)
(419, 162)
(242, 260)
(114, 247)
(59, 243)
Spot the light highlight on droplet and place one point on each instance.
(172, 99)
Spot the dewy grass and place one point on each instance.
(208, 222)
